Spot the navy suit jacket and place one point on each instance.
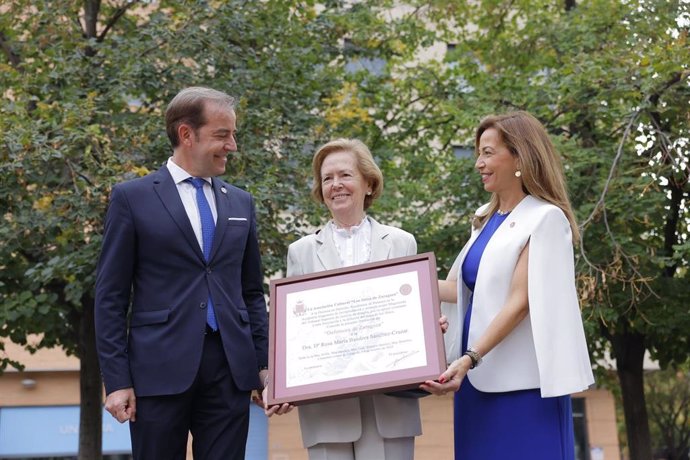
(153, 283)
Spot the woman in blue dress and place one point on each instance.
(515, 325)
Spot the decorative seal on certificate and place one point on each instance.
(299, 308)
(405, 289)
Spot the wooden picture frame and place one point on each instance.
(362, 329)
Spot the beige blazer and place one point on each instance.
(547, 350)
(341, 420)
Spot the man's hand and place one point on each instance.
(260, 398)
(122, 405)
(277, 409)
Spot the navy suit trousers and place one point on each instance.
(212, 409)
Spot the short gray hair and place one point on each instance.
(365, 163)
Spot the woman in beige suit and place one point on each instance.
(347, 181)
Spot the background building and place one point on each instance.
(39, 412)
(39, 419)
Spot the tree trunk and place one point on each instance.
(91, 388)
(91, 10)
(628, 349)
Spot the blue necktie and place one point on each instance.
(208, 228)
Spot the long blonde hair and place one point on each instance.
(542, 171)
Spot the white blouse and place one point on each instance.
(353, 244)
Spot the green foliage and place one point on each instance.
(83, 110)
(668, 400)
(83, 114)
(610, 81)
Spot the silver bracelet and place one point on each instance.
(474, 356)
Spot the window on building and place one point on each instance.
(356, 63)
(451, 59)
(462, 151)
(580, 428)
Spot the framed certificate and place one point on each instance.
(362, 329)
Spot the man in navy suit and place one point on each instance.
(181, 321)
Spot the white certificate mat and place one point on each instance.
(354, 329)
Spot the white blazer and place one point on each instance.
(340, 420)
(547, 350)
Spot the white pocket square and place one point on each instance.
(237, 218)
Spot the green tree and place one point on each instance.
(60, 138)
(609, 79)
(668, 402)
(403, 106)
(85, 85)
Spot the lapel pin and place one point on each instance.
(223, 190)
(512, 224)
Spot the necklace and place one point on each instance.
(502, 213)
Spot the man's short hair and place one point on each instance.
(188, 107)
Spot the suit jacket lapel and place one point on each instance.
(327, 252)
(167, 192)
(380, 245)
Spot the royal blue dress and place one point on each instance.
(515, 425)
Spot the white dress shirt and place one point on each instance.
(187, 193)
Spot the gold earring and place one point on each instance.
(518, 173)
